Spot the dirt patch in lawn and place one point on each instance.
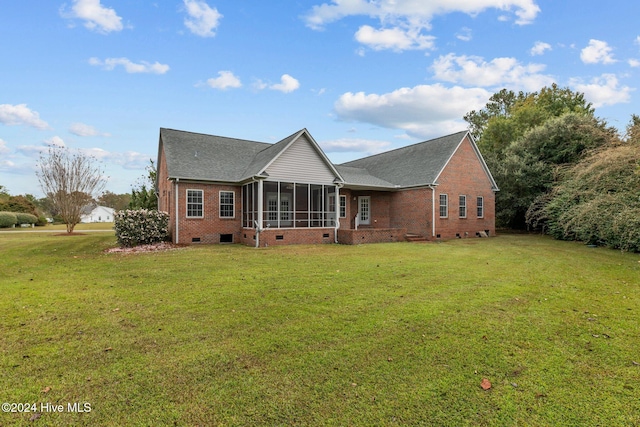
(162, 246)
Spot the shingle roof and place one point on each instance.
(207, 157)
(417, 164)
(203, 157)
(361, 177)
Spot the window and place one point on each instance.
(195, 203)
(444, 206)
(343, 206)
(462, 207)
(480, 205)
(226, 204)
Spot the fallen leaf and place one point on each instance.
(353, 384)
(485, 384)
(389, 359)
(635, 363)
(47, 389)
(35, 416)
(115, 309)
(108, 349)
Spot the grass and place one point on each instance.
(388, 334)
(63, 227)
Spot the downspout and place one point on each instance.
(335, 233)
(433, 211)
(177, 211)
(258, 223)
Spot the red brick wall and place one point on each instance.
(464, 176)
(370, 235)
(166, 197)
(290, 236)
(411, 209)
(209, 228)
(380, 208)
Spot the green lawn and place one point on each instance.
(387, 334)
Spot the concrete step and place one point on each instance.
(415, 238)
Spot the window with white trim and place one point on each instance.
(343, 206)
(195, 203)
(462, 206)
(480, 206)
(444, 206)
(226, 204)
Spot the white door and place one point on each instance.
(364, 209)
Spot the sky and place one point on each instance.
(363, 76)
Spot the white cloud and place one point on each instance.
(3, 147)
(225, 80)
(348, 145)
(129, 66)
(202, 19)
(397, 39)
(634, 63)
(539, 48)
(404, 21)
(415, 11)
(287, 84)
(82, 129)
(464, 34)
(603, 90)
(422, 111)
(21, 115)
(598, 52)
(97, 17)
(499, 72)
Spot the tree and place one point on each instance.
(115, 201)
(144, 195)
(530, 165)
(507, 116)
(70, 181)
(18, 204)
(521, 153)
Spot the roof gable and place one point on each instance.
(413, 165)
(301, 160)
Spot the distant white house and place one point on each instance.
(97, 214)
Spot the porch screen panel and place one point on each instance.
(302, 205)
(330, 205)
(317, 204)
(270, 204)
(286, 204)
(249, 207)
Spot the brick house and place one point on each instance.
(227, 190)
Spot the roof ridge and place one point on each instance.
(215, 136)
(403, 148)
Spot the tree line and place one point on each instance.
(72, 182)
(561, 170)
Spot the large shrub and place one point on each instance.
(25, 218)
(596, 201)
(7, 219)
(141, 227)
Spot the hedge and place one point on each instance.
(8, 219)
(26, 218)
(141, 227)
